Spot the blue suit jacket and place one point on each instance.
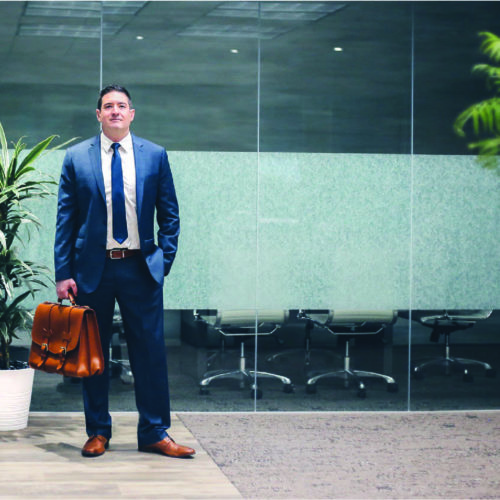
(80, 242)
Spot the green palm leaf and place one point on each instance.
(19, 278)
(490, 45)
(482, 119)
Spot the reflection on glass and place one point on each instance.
(192, 72)
(455, 220)
(334, 202)
(328, 215)
(50, 69)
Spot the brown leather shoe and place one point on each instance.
(168, 447)
(95, 446)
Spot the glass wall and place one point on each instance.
(456, 216)
(334, 196)
(331, 220)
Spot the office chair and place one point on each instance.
(243, 323)
(119, 363)
(350, 324)
(445, 323)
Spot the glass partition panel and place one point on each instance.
(456, 217)
(192, 70)
(49, 55)
(334, 202)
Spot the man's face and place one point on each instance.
(115, 115)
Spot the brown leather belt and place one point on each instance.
(121, 253)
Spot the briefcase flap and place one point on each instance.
(57, 327)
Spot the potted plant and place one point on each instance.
(482, 119)
(19, 278)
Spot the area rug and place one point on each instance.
(354, 455)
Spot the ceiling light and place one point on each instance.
(278, 11)
(276, 16)
(84, 10)
(234, 51)
(338, 49)
(66, 30)
(230, 30)
(63, 9)
(139, 37)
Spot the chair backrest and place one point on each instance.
(346, 317)
(462, 316)
(347, 322)
(248, 318)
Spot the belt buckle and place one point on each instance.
(120, 252)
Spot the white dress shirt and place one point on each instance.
(126, 151)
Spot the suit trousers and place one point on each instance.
(140, 299)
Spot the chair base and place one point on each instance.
(246, 377)
(348, 375)
(449, 363)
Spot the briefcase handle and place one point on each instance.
(71, 298)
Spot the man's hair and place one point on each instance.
(113, 88)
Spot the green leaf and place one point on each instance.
(36, 151)
(484, 115)
(5, 150)
(490, 45)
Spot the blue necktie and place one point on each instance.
(118, 196)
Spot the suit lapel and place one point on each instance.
(140, 171)
(95, 163)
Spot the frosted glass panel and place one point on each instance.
(334, 231)
(216, 262)
(456, 233)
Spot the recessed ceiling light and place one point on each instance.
(234, 51)
(139, 37)
(338, 49)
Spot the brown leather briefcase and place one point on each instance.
(65, 340)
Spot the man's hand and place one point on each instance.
(63, 286)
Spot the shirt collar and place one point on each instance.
(125, 143)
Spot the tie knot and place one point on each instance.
(115, 146)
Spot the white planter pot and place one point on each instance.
(15, 398)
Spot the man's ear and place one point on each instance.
(98, 114)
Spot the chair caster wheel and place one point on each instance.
(392, 387)
(288, 388)
(362, 393)
(256, 394)
(491, 373)
(204, 391)
(468, 377)
(311, 388)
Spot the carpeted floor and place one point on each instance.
(451, 455)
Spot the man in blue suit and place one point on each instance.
(110, 189)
